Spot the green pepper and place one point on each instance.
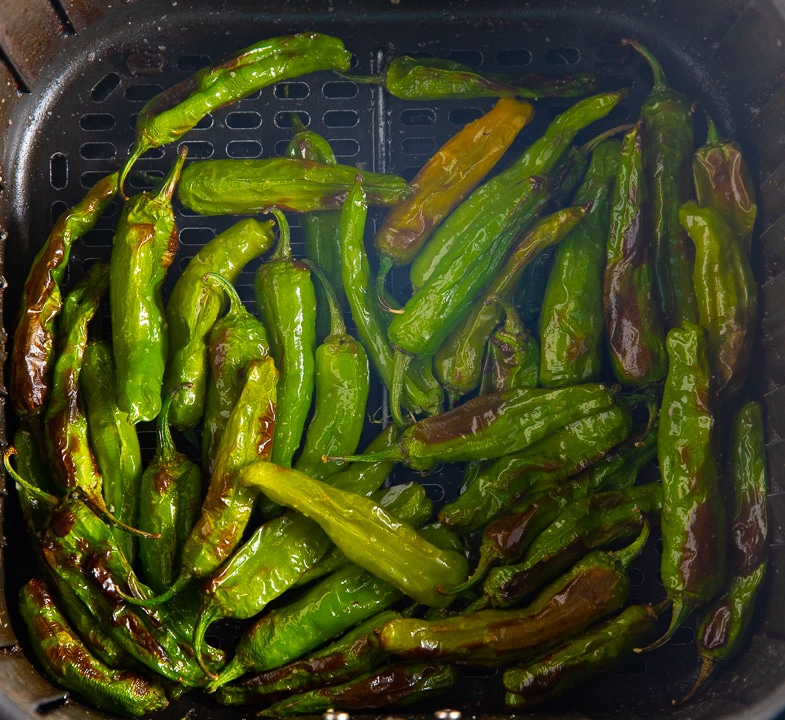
(723, 627)
(579, 660)
(448, 176)
(571, 325)
(633, 324)
(410, 78)
(422, 392)
(235, 341)
(32, 466)
(342, 382)
(172, 113)
(144, 246)
(352, 655)
(393, 686)
(329, 608)
(723, 181)
(693, 515)
(67, 660)
(727, 296)
(33, 349)
(231, 187)
(458, 361)
(170, 497)
(366, 533)
(193, 307)
(286, 299)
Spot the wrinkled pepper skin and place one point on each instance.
(392, 686)
(546, 463)
(578, 661)
(237, 339)
(194, 306)
(329, 608)
(448, 176)
(724, 625)
(170, 498)
(246, 187)
(365, 532)
(669, 143)
(723, 181)
(594, 587)
(571, 323)
(286, 298)
(67, 660)
(113, 439)
(143, 249)
(727, 296)
(172, 113)
(31, 465)
(633, 323)
(341, 387)
(34, 340)
(694, 548)
(352, 655)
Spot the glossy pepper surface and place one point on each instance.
(571, 322)
(727, 296)
(365, 532)
(68, 661)
(34, 340)
(194, 306)
(143, 249)
(694, 547)
(172, 113)
(633, 324)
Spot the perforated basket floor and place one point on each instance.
(76, 75)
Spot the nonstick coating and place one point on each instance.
(68, 113)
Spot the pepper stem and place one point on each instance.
(488, 557)
(167, 189)
(42, 495)
(337, 324)
(401, 362)
(712, 133)
(591, 145)
(625, 556)
(708, 666)
(206, 617)
(167, 451)
(681, 611)
(659, 74)
(283, 250)
(182, 580)
(385, 265)
(235, 303)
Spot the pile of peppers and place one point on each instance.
(612, 415)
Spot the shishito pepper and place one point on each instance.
(144, 247)
(286, 299)
(571, 325)
(71, 665)
(450, 174)
(229, 187)
(723, 181)
(33, 349)
(694, 547)
(366, 533)
(633, 322)
(194, 306)
(669, 142)
(727, 296)
(581, 659)
(172, 113)
(723, 626)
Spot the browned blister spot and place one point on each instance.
(465, 420)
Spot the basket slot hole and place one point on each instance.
(243, 120)
(562, 56)
(99, 238)
(98, 151)
(241, 149)
(145, 63)
(58, 171)
(637, 577)
(191, 63)
(340, 89)
(200, 149)
(509, 58)
(341, 118)
(97, 122)
(611, 54)
(472, 58)
(345, 147)
(140, 180)
(633, 665)
(44, 707)
(142, 92)
(410, 172)
(105, 87)
(419, 146)
(462, 116)
(418, 117)
(56, 209)
(292, 90)
(285, 120)
(205, 123)
(555, 110)
(91, 177)
(434, 492)
(196, 236)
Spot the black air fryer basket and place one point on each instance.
(74, 74)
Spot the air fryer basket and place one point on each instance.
(75, 72)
